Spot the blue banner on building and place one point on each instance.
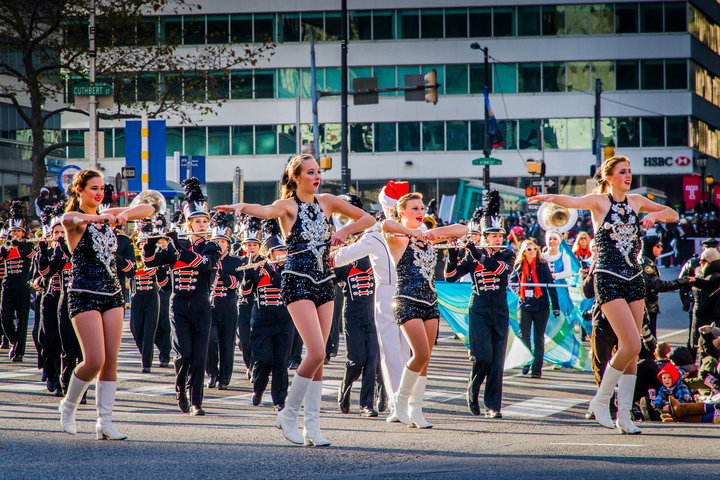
(156, 147)
(197, 167)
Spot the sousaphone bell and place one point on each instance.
(554, 217)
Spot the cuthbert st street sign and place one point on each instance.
(92, 88)
(487, 161)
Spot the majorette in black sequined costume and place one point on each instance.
(618, 273)
(415, 296)
(307, 273)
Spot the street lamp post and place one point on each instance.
(487, 149)
(701, 162)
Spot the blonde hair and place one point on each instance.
(402, 201)
(80, 180)
(605, 170)
(524, 246)
(580, 235)
(288, 186)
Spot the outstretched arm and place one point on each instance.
(586, 202)
(276, 210)
(655, 211)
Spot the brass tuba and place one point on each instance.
(554, 217)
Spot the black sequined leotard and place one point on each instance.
(415, 296)
(618, 270)
(307, 269)
(94, 284)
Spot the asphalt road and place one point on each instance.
(543, 434)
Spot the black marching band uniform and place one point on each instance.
(271, 327)
(361, 341)
(250, 232)
(221, 351)
(15, 289)
(193, 267)
(145, 306)
(488, 310)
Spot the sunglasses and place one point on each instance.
(531, 249)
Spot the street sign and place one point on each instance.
(365, 91)
(533, 207)
(487, 161)
(92, 88)
(128, 173)
(549, 182)
(197, 167)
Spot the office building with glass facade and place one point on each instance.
(658, 63)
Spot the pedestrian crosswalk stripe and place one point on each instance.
(541, 407)
(22, 387)
(153, 391)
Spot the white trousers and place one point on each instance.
(394, 349)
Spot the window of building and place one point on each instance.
(528, 21)
(288, 27)
(408, 24)
(385, 78)
(628, 132)
(626, 18)
(627, 75)
(528, 131)
(241, 29)
(312, 22)
(383, 24)
(147, 87)
(676, 134)
(287, 142)
(528, 77)
(675, 16)
(553, 79)
(651, 74)
(119, 142)
(477, 78)
(605, 71)
(578, 76)
(108, 141)
(218, 141)
(608, 130)
(456, 135)
(555, 133)
(288, 83)
(456, 23)
(194, 30)
(651, 17)
(218, 86)
(194, 86)
(440, 75)
(577, 18)
(385, 137)
(676, 75)
(601, 18)
(171, 86)
(477, 135)
(76, 34)
(146, 31)
(174, 141)
(218, 29)
(360, 25)
(431, 23)
(358, 72)
(195, 141)
(361, 137)
(409, 136)
(242, 139)
(504, 22)
(77, 151)
(457, 79)
(433, 136)
(330, 137)
(333, 79)
(264, 83)
(508, 130)
(653, 131)
(264, 28)
(265, 140)
(480, 22)
(171, 30)
(505, 80)
(580, 133)
(553, 20)
(333, 27)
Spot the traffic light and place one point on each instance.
(535, 167)
(608, 151)
(531, 191)
(325, 163)
(431, 86)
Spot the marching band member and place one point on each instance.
(394, 348)
(361, 339)
(15, 288)
(95, 298)
(489, 269)
(193, 263)
(145, 305)
(251, 235)
(415, 305)
(619, 285)
(271, 330)
(221, 352)
(306, 281)
(163, 340)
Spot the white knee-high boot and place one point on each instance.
(402, 396)
(415, 404)
(104, 401)
(287, 418)
(626, 392)
(600, 403)
(68, 405)
(311, 433)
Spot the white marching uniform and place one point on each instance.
(394, 349)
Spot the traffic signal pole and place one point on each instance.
(487, 149)
(598, 134)
(344, 167)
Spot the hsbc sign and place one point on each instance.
(681, 161)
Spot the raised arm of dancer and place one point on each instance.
(363, 220)
(655, 211)
(586, 202)
(456, 230)
(277, 209)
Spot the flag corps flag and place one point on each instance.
(494, 135)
